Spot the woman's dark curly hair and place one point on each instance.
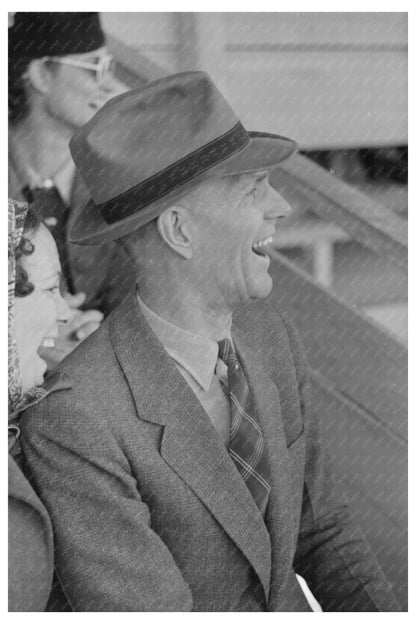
(25, 247)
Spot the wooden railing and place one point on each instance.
(311, 187)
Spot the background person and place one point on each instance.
(35, 311)
(60, 74)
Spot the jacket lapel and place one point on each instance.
(190, 444)
(279, 513)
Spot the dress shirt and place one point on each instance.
(196, 357)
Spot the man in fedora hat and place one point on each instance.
(176, 451)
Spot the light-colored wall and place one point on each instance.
(330, 80)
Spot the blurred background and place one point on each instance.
(337, 83)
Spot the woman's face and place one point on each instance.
(37, 316)
(74, 95)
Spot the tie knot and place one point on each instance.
(227, 353)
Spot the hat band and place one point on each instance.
(174, 176)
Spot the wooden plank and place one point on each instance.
(340, 30)
(329, 81)
(310, 187)
(363, 29)
(363, 363)
(308, 232)
(135, 63)
(324, 99)
(391, 194)
(201, 38)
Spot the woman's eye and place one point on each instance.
(53, 289)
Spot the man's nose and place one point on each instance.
(277, 206)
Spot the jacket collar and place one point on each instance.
(54, 382)
(197, 354)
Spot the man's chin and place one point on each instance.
(259, 291)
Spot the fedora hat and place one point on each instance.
(146, 148)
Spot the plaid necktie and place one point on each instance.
(246, 438)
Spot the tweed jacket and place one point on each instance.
(149, 510)
(30, 546)
(104, 271)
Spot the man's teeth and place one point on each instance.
(49, 343)
(263, 243)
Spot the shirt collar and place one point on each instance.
(195, 353)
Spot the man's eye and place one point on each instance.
(53, 289)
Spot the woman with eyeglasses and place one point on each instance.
(60, 74)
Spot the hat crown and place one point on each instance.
(145, 131)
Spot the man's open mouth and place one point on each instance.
(259, 246)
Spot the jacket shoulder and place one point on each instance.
(88, 395)
(271, 329)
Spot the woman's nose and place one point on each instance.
(112, 86)
(64, 311)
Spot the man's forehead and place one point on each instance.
(240, 180)
(237, 184)
(250, 179)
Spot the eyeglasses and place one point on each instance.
(105, 65)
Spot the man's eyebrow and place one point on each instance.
(256, 181)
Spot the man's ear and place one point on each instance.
(173, 227)
(38, 75)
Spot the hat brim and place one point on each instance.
(264, 151)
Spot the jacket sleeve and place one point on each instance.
(332, 554)
(108, 558)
